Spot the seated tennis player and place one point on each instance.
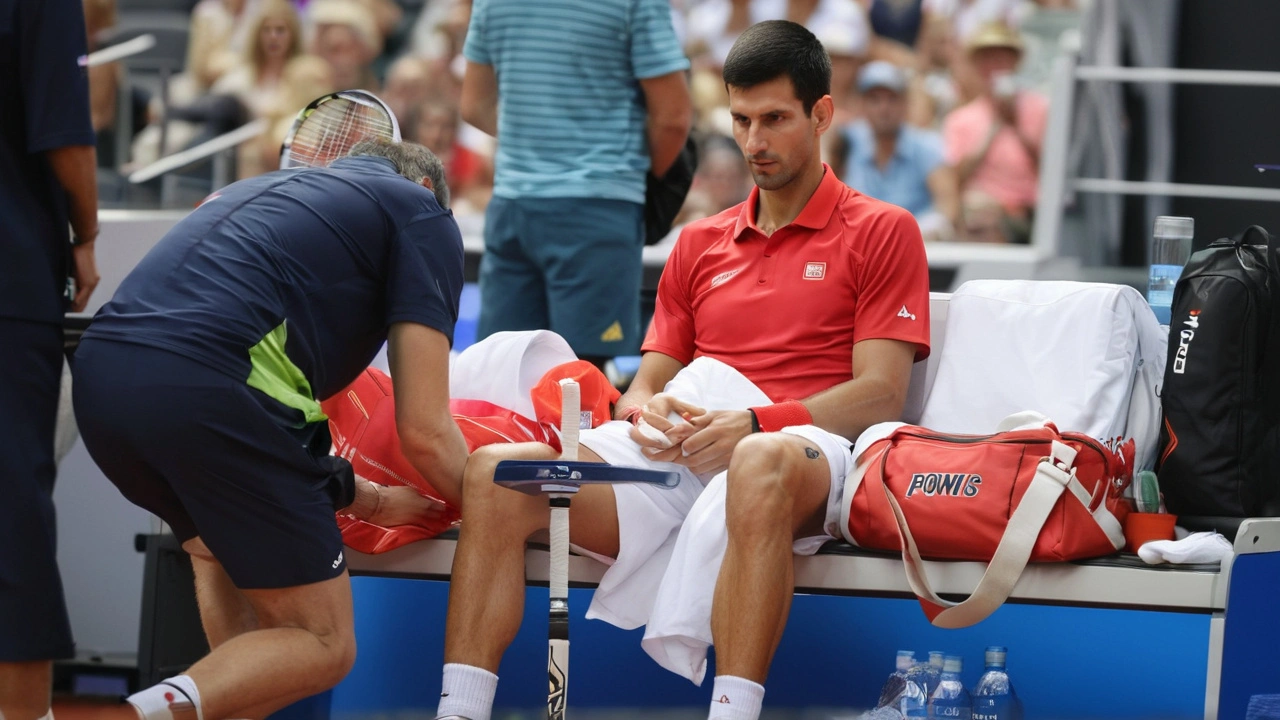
(198, 389)
(815, 293)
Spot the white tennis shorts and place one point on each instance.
(649, 517)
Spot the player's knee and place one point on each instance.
(339, 656)
(758, 482)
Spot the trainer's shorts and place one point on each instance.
(33, 613)
(572, 265)
(217, 459)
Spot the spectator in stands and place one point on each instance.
(47, 183)
(218, 38)
(721, 181)
(407, 86)
(346, 36)
(931, 92)
(257, 82)
(434, 123)
(804, 289)
(994, 140)
(841, 26)
(577, 133)
(306, 77)
(964, 18)
(104, 80)
(885, 158)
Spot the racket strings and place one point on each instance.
(330, 131)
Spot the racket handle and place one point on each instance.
(570, 418)
(559, 577)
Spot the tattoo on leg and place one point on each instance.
(812, 454)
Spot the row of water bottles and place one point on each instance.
(934, 689)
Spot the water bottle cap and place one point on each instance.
(1175, 227)
(953, 664)
(996, 655)
(906, 659)
(935, 657)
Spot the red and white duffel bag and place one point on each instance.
(1027, 493)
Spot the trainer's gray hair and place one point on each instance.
(412, 160)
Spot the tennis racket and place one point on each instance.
(558, 620)
(332, 124)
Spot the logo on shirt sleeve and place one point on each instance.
(815, 270)
(904, 313)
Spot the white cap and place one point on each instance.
(996, 654)
(935, 657)
(1175, 227)
(953, 664)
(906, 659)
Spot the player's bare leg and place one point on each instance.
(486, 592)
(777, 490)
(25, 689)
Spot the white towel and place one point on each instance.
(1201, 547)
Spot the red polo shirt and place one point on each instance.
(785, 310)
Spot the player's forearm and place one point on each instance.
(76, 169)
(853, 406)
(440, 456)
(656, 370)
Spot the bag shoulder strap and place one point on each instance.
(1053, 475)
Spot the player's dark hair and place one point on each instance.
(412, 160)
(773, 48)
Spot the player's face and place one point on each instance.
(778, 139)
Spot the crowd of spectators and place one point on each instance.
(932, 111)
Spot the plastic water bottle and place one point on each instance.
(893, 687)
(993, 696)
(1170, 248)
(951, 700)
(935, 671)
(915, 697)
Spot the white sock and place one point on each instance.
(173, 699)
(735, 698)
(466, 691)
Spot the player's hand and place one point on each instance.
(402, 505)
(657, 434)
(85, 274)
(715, 436)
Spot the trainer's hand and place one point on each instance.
(402, 505)
(85, 274)
(715, 436)
(657, 414)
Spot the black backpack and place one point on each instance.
(1220, 435)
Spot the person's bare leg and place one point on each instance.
(25, 689)
(486, 590)
(224, 611)
(304, 644)
(771, 476)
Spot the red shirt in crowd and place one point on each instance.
(785, 310)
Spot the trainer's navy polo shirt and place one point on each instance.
(44, 104)
(290, 281)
